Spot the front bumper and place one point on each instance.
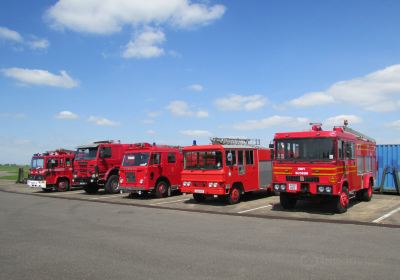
(81, 181)
(36, 184)
(204, 190)
(134, 189)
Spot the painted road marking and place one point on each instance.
(166, 202)
(110, 196)
(387, 215)
(265, 206)
(66, 193)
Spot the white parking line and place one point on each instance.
(166, 202)
(110, 196)
(66, 193)
(387, 215)
(265, 206)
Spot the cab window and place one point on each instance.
(155, 158)
(171, 158)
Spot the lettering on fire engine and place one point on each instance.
(301, 171)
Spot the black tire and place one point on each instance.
(288, 201)
(199, 197)
(112, 184)
(91, 188)
(162, 189)
(234, 196)
(62, 185)
(341, 202)
(366, 194)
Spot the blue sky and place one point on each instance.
(72, 72)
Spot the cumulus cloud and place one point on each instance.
(11, 35)
(109, 16)
(40, 77)
(378, 91)
(272, 121)
(182, 109)
(339, 120)
(196, 88)
(66, 115)
(236, 102)
(146, 44)
(102, 121)
(195, 133)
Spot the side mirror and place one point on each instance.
(271, 146)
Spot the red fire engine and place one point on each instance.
(151, 169)
(337, 165)
(97, 165)
(227, 168)
(51, 170)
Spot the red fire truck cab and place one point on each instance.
(331, 165)
(97, 166)
(51, 170)
(151, 169)
(227, 168)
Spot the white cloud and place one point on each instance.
(102, 121)
(394, 124)
(312, 99)
(272, 121)
(39, 44)
(109, 16)
(196, 88)
(378, 91)
(182, 109)
(153, 114)
(339, 120)
(150, 132)
(17, 116)
(8, 34)
(235, 102)
(148, 121)
(195, 133)
(66, 115)
(40, 77)
(146, 44)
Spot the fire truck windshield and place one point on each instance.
(37, 162)
(86, 153)
(309, 149)
(210, 160)
(136, 159)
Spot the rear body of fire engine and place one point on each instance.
(51, 170)
(151, 169)
(226, 169)
(332, 166)
(97, 166)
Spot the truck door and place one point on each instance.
(241, 165)
(171, 171)
(155, 168)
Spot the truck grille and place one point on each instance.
(36, 177)
(130, 177)
(306, 179)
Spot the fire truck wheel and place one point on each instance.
(162, 189)
(199, 197)
(288, 201)
(366, 194)
(62, 185)
(234, 195)
(112, 185)
(91, 188)
(342, 201)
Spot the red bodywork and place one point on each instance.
(95, 163)
(51, 170)
(208, 170)
(334, 159)
(145, 166)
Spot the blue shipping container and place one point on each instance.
(388, 156)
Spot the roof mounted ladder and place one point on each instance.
(235, 141)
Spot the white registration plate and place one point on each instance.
(199, 191)
(292, 187)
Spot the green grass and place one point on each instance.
(13, 171)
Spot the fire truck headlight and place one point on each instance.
(121, 180)
(328, 189)
(215, 185)
(141, 181)
(93, 175)
(75, 176)
(282, 187)
(321, 189)
(210, 185)
(276, 187)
